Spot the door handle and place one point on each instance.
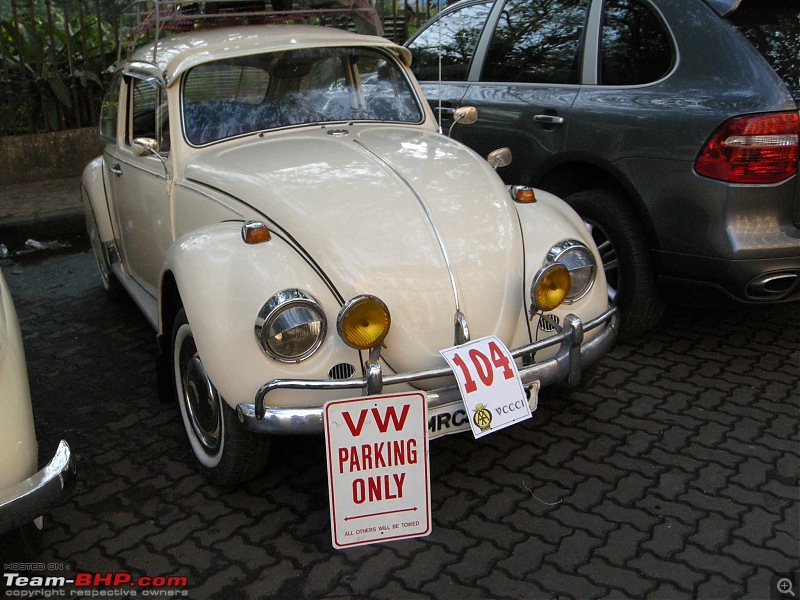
(115, 169)
(548, 119)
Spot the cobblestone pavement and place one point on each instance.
(674, 475)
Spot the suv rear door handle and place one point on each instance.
(115, 169)
(548, 119)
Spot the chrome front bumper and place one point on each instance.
(30, 499)
(566, 366)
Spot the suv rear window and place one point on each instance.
(775, 32)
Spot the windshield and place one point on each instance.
(237, 96)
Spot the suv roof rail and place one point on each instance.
(150, 20)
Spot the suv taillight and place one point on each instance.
(752, 149)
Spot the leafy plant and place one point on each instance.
(52, 67)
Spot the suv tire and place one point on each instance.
(626, 258)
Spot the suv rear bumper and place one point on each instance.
(750, 281)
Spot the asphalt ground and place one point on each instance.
(673, 474)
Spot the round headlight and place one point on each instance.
(291, 326)
(550, 286)
(580, 263)
(364, 322)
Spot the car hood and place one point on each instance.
(407, 215)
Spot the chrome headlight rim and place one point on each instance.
(277, 306)
(565, 252)
(352, 304)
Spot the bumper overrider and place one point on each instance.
(29, 499)
(574, 354)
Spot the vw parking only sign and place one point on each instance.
(378, 468)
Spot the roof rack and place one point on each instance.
(146, 21)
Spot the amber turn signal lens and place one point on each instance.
(364, 322)
(255, 232)
(523, 194)
(550, 287)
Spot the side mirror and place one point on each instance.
(499, 158)
(466, 115)
(144, 146)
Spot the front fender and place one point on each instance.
(222, 284)
(545, 222)
(95, 199)
(18, 446)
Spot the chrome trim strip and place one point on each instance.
(30, 499)
(573, 356)
(205, 194)
(436, 232)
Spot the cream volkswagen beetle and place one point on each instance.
(280, 204)
(25, 492)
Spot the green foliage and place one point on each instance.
(51, 75)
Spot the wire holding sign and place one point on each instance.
(378, 468)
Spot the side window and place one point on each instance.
(148, 112)
(109, 110)
(634, 47)
(537, 42)
(458, 32)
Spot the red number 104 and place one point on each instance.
(484, 366)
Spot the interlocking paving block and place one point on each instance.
(673, 475)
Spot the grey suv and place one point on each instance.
(671, 127)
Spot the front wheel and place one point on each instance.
(626, 259)
(226, 453)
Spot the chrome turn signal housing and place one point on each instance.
(364, 322)
(550, 287)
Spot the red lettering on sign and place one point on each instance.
(390, 414)
(469, 383)
(500, 360)
(485, 371)
(483, 366)
(374, 489)
(355, 430)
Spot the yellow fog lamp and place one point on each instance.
(550, 287)
(364, 322)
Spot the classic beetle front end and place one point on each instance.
(299, 231)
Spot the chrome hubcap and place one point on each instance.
(201, 399)
(608, 255)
